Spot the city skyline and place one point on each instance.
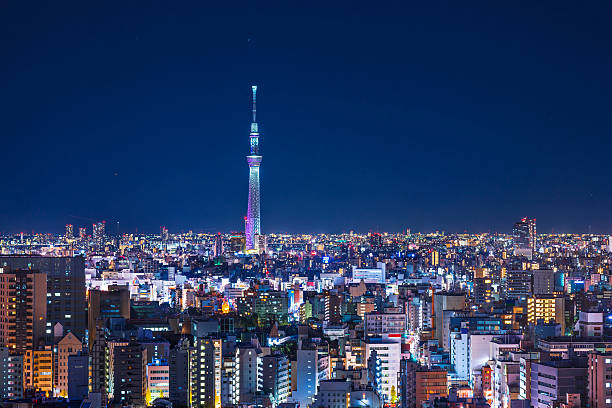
(430, 229)
(431, 118)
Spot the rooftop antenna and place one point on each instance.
(254, 88)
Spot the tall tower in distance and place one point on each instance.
(524, 233)
(253, 221)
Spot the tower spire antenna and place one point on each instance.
(254, 88)
(253, 219)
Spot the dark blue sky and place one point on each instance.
(429, 115)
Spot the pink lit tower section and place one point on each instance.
(253, 221)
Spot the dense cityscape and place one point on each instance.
(294, 204)
(95, 318)
(349, 320)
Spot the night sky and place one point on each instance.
(429, 115)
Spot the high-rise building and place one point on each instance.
(333, 394)
(333, 308)
(99, 363)
(218, 249)
(164, 235)
(388, 325)
(107, 304)
(389, 353)
(446, 301)
(430, 383)
(306, 376)
(178, 386)
(406, 382)
(205, 373)
(543, 282)
(38, 370)
(546, 308)
(276, 379)
(12, 377)
(253, 220)
(517, 284)
(129, 373)
(249, 371)
(82, 232)
(237, 242)
(23, 309)
(552, 380)
(524, 233)
(69, 232)
(98, 235)
(599, 384)
(483, 292)
(64, 295)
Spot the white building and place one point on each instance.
(390, 354)
(306, 377)
(370, 275)
(590, 324)
(460, 355)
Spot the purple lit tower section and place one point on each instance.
(253, 221)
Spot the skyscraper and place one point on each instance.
(69, 231)
(98, 235)
(23, 309)
(65, 297)
(253, 221)
(524, 233)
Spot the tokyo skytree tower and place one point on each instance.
(253, 219)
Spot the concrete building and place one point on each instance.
(129, 373)
(599, 384)
(306, 376)
(333, 394)
(158, 379)
(406, 382)
(551, 381)
(543, 282)
(546, 308)
(565, 346)
(446, 301)
(65, 288)
(78, 377)
(38, 370)
(249, 370)
(115, 302)
(178, 383)
(430, 384)
(205, 373)
(460, 355)
(590, 324)
(23, 309)
(389, 354)
(517, 284)
(69, 345)
(12, 375)
(276, 380)
(388, 325)
(370, 275)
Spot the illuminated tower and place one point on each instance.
(253, 221)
